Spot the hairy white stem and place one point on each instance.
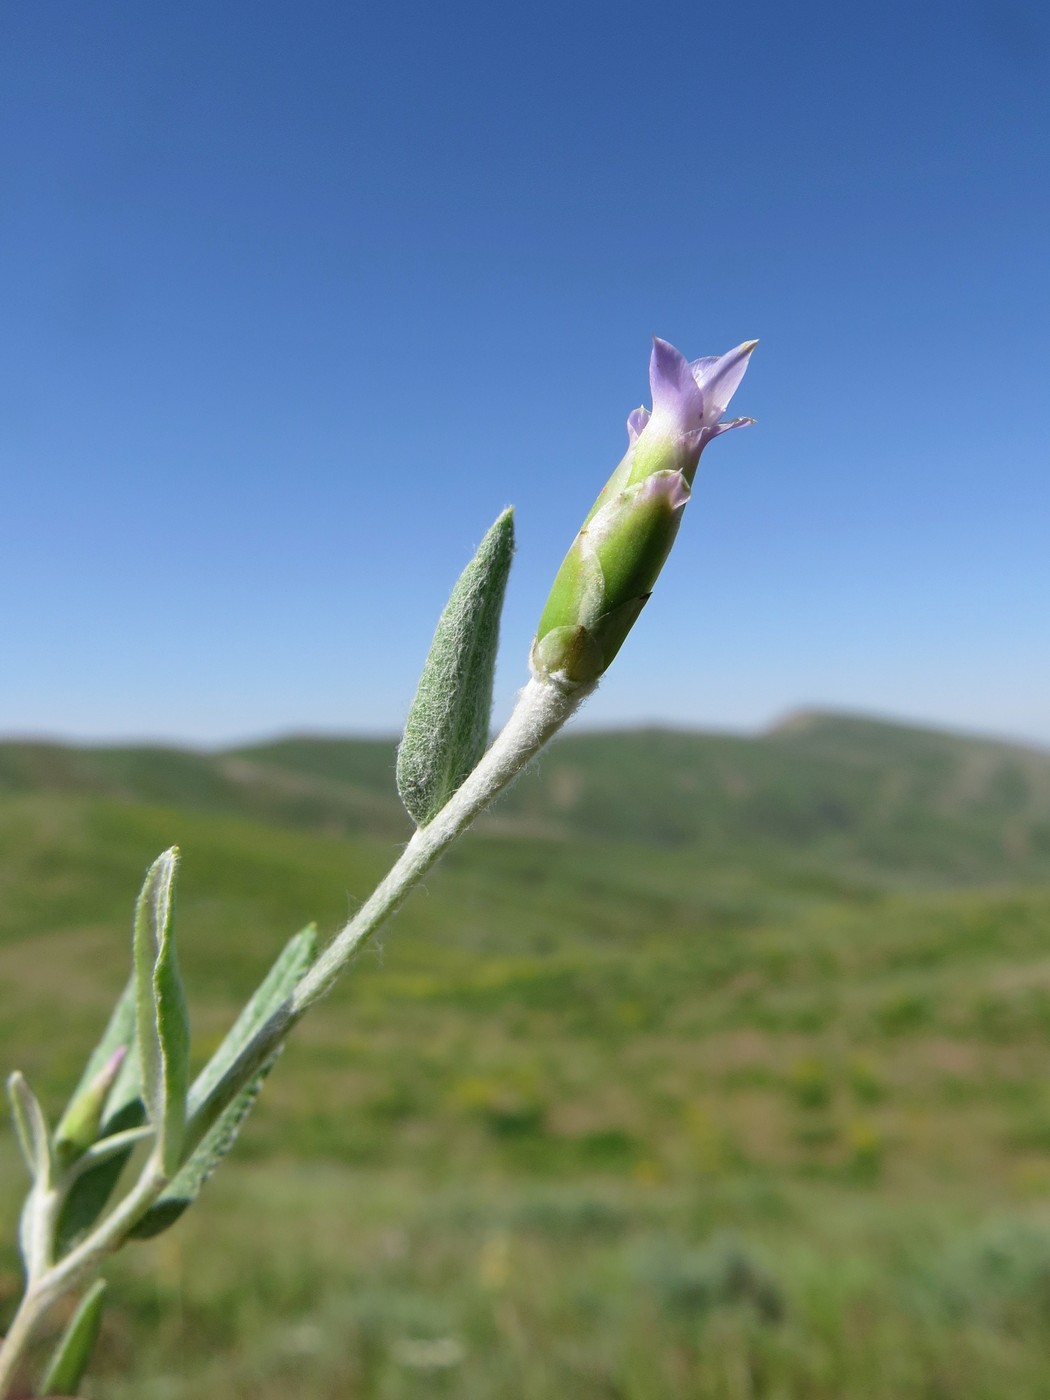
(46, 1282)
(19, 1334)
(542, 708)
(541, 711)
(80, 1263)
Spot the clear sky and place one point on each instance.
(295, 299)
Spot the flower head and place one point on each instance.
(607, 576)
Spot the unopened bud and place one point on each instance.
(81, 1121)
(607, 576)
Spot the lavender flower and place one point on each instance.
(607, 576)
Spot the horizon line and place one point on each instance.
(785, 720)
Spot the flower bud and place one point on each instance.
(83, 1118)
(607, 576)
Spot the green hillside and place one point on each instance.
(706, 1067)
(345, 786)
(854, 795)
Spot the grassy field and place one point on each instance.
(706, 1067)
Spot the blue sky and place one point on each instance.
(296, 299)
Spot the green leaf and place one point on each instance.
(119, 1031)
(71, 1356)
(162, 1023)
(99, 1152)
(210, 1151)
(270, 996)
(127, 1087)
(31, 1127)
(215, 1118)
(447, 728)
(124, 1112)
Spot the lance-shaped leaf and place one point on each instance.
(120, 1031)
(162, 1023)
(207, 1155)
(127, 1087)
(31, 1128)
(271, 996)
(73, 1353)
(123, 1112)
(447, 728)
(215, 1118)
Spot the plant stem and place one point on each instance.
(541, 711)
(74, 1269)
(30, 1311)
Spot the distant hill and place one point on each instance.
(342, 785)
(855, 795)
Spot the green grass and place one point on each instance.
(706, 1067)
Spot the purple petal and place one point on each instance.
(672, 486)
(720, 428)
(720, 377)
(676, 396)
(636, 421)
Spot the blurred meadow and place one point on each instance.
(705, 1067)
